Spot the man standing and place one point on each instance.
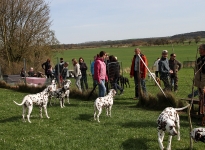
(165, 71)
(199, 79)
(58, 70)
(138, 71)
(175, 66)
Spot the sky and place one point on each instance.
(79, 21)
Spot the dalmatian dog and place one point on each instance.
(62, 93)
(167, 121)
(151, 76)
(104, 102)
(198, 134)
(53, 85)
(39, 99)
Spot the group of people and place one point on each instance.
(105, 70)
(168, 70)
(165, 69)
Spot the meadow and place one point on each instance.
(73, 127)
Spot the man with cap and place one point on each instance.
(175, 66)
(164, 70)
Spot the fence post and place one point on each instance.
(24, 65)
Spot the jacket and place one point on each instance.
(83, 68)
(164, 67)
(77, 71)
(113, 71)
(199, 79)
(143, 69)
(100, 70)
(174, 65)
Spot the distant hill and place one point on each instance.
(190, 35)
(178, 38)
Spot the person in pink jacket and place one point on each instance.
(100, 75)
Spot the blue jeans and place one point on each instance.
(142, 82)
(102, 88)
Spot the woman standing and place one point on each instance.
(100, 75)
(83, 69)
(77, 73)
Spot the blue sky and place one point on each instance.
(78, 21)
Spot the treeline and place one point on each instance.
(192, 37)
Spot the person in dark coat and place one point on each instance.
(46, 65)
(114, 73)
(83, 69)
(165, 71)
(175, 66)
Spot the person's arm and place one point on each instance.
(180, 65)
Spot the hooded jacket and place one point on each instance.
(100, 70)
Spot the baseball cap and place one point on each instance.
(165, 52)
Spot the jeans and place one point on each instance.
(142, 82)
(77, 83)
(83, 81)
(102, 88)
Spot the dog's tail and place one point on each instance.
(21, 102)
(178, 109)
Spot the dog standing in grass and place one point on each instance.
(104, 102)
(167, 121)
(39, 99)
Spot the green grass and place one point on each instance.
(125, 54)
(73, 127)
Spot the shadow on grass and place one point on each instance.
(85, 117)
(11, 119)
(137, 124)
(135, 143)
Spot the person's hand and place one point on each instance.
(170, 71)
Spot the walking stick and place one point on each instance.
(152, 75)
(189, 108)
(92, 90)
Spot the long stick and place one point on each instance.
(189, 110)
(152, 75)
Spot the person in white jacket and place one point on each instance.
(77, 73)
(156, 67)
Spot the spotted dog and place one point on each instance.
(167, 121)
(62, 93)
(105, 102)
(39, 99)
(151, 76)
(198, 134)
(53, 85)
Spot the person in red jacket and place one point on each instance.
(138, 71)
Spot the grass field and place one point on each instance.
(73, 127)
(125, 54)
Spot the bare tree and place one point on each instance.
(24, 32)
(197, 39)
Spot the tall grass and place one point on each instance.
(73, 127)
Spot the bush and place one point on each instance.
(159, 102)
